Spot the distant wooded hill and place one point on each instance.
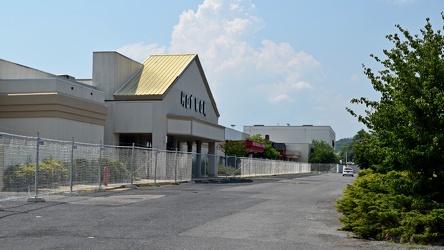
(342, 142)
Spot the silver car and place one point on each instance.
(348, 171)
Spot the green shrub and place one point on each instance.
(387, 207)
(19, 177)
(88, 170)
(54, 172)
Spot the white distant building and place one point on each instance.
(297, 139)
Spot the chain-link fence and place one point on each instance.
(232, 166)
(321, 167)
(251, 167)
(30, 166)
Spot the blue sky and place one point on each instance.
(267, 62)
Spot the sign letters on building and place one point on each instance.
(190, 102)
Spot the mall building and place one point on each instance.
(164, 103)
(55, 106)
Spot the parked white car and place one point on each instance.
(348, 171)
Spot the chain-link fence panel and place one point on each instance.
(184, 165)
(172, 166)
(144, 161)
(116, 165)
(229, 166)
(319, 167)
(17, 166)
(85, 171)
(53, 170)
(251, 167)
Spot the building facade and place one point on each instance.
(163, 103)
(56, 107)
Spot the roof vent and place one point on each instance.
(67, 77)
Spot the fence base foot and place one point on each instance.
(35, 199)
(2, 208)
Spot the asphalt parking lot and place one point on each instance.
(288, 212)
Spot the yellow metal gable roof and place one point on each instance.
(156, 76)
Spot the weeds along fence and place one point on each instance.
(30, 166)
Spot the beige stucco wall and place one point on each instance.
(34, 101)
(10, 70)
(195, 128)
(111, 70)
(133, 117)
(191, 83)
(53, 128)
(46, 85)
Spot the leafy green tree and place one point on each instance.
(347, 152)
(363, 153)
(401, 196)
(235, 148)
(408, 120)
(322, 152)
(269, 151)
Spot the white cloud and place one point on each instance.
(283, 92)
(223, 34)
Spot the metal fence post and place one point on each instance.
(147, 152)
(155, 166)
(132, 165)
(100, 165)
(175, 169)
(36, 176)
(226, 165)
(235, 162)
(71, 172)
